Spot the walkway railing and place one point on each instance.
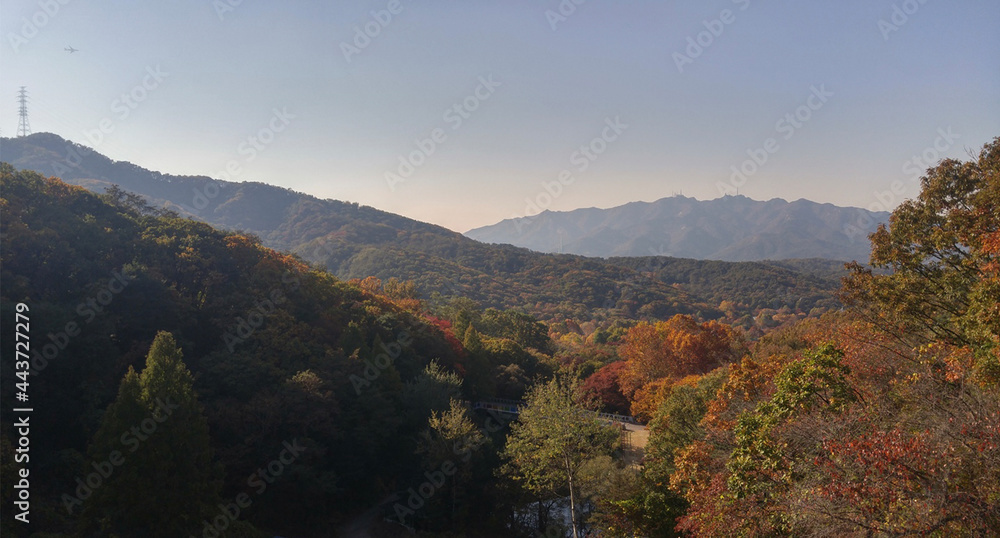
(513, 407)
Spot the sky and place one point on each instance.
(464, 113)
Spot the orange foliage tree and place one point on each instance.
(881, 421)
(658, 354)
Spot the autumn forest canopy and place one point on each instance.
(192, 381)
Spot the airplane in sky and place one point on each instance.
(70, 50)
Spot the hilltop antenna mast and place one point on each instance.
(23, 127)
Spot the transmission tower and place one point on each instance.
(23, 127)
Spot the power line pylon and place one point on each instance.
(23, 127)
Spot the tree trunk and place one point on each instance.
(541, 518)
(572, 500)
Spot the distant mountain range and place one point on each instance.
(731, 228)
(354, 241)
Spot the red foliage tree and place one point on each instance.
(603, 385)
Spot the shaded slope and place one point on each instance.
(355, 241)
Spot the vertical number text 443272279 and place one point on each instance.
(22, 346)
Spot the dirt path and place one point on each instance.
(636, 440)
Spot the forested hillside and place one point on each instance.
(748, 286)
(354, 241)
(279, 353)
(882, 421)
(265, 397)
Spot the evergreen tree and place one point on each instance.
(472, 342)
(430, 391)
(453, 443)
(166, 483)
(479, 378)
(105, 511)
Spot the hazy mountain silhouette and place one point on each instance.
(731, 228)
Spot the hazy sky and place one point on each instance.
(181, 86)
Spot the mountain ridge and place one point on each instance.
(355, 241)
(730, 228)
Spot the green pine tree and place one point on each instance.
(479, 377)
(452, 442)
(103, 511)
(472, 342)
(167, 484)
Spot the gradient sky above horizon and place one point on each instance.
(938, 71)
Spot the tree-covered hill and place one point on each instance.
(748, 286)
(327, 405)
(354, 241)
(279, 352)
